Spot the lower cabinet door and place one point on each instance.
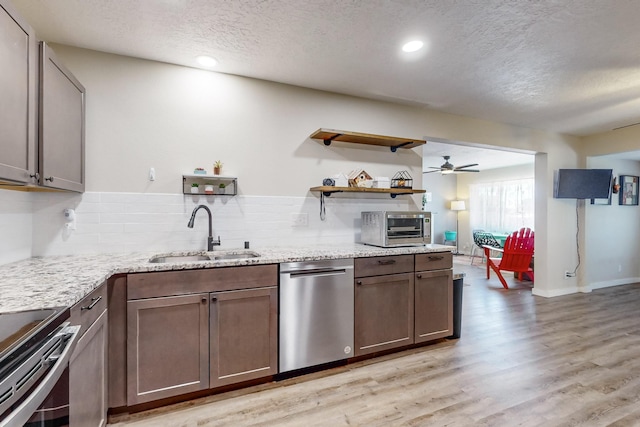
(167, 347)
(383, 312)
(244, 335)
(433, 305)
(88, 377)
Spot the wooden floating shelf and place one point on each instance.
(330, 135)
(328, 189)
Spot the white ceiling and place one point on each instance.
(569, 66)
(433, 153)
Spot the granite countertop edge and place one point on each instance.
(61, 281)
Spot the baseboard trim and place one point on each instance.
(554, 292)
(611, 283)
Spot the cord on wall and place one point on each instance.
(577, 239)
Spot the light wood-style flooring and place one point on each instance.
(522, 360)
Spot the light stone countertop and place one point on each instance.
(61, 281)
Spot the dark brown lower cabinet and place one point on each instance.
(433, 305)
(88, 377)
(194, 330)
(244, 328)
(167, 347)
(383, 312)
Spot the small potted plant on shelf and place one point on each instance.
(195, 188)
(221, 188)
(208, 188)
(217, 167)
(199, 171)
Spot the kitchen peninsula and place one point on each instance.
(42, 282)
(227, 310)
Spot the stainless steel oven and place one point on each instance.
(393, 228)
(35, 347)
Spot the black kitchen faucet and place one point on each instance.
(210, 242)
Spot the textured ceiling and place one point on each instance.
(433, 153)
(569, 66)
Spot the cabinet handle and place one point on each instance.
(435, 258)
(214, 298)
(50, 179)
(204, 299)
(35, 175)
(386, 262)
(419, 276)
(94, 301)
(359, 282)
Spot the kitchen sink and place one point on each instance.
(179, 258)
(204, 256)
(231, 255)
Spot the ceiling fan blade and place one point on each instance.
(466, 166)
(466, 170)
(432, 171)
(433, 167)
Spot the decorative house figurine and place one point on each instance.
(341, 180)
(360, 178)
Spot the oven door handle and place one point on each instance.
(27, 408)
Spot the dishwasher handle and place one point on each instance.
(317, 272)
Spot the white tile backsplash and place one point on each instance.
(16, 225)
(34, 224)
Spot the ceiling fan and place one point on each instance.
(449, 168)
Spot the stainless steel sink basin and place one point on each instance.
(222, 256)
(204, 256)
(179, 258)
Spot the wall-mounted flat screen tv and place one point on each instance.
(582, 183)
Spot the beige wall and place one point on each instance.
(615, 141)
(143, 114)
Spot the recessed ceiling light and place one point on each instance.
(207, 61)
(412, 46)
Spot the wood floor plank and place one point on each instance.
(522, 360)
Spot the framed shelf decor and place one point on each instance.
(628, 190)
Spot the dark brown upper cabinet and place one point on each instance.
(61, 125)
(18, 86)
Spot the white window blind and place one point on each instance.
(503, 206)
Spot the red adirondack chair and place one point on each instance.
(516, 255)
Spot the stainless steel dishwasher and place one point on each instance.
(316, 312)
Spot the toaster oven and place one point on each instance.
(393, 228)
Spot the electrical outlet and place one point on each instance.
(299, 219)
(568, 274)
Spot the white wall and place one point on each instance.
(143, 114)
(443, 190)
(613, 233)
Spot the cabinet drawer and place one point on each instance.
(377, 266)
(434, 261)
(87, 311)
(168, 283)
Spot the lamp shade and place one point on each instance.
(457, 205)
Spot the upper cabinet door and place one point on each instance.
(19, 65)
(61, 136)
